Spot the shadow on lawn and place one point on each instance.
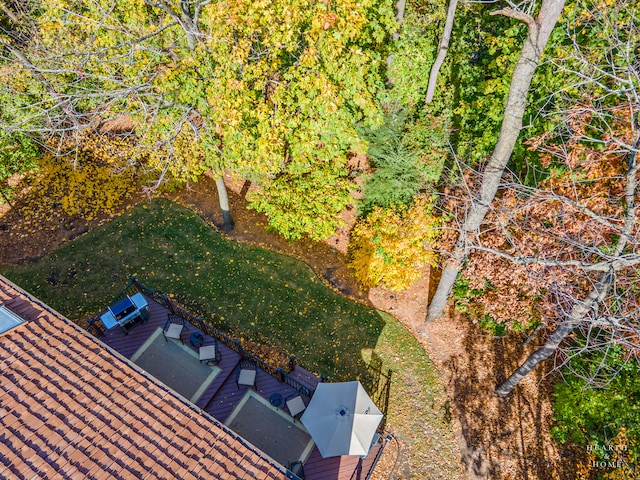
(252, 227)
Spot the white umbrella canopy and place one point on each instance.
(341, 419)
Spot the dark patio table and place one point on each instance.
(275, 399)
(196, 339)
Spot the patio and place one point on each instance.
(176, 365)
(250, 412)
(270, 429)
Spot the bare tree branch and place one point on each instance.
(615, 263)
(518, 15)
(510, 129)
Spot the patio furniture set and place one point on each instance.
(330, 416)
(208, 351)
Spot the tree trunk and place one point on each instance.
(536, 358)
(539, 30)
(581, 309)
(579, 313)
(400, 7)
(442, 50)
(447, 280)
(224, 204)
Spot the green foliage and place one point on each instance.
(397, 179)
(307, 203)
(400, 171)
(467, 301)
(463, 295)
(414, 53)
(473, 82)
(496, 329)
(418, 131)
(479, 67)
(601, 417)
(18, 155)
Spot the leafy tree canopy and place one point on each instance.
(269, 90)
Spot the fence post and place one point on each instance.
(239, 348)
(169, 304)
(292, 363)
(135, 283)
(203, 327)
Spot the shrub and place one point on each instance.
(602, 419)
(391, 246)
(400, 169)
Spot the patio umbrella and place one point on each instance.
(341, 419)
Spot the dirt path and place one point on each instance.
(507, 440)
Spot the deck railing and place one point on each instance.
(378, 384)
(283, 376)
(385, 437)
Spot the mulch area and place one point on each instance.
(498, 439)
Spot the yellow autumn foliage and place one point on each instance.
(391, 247)
(93, 179)
(620, 464)
(183, 160)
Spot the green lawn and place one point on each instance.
(248, 292)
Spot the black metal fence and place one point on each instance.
(377, 382)
(283, 376)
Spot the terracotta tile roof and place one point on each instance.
(72, 408)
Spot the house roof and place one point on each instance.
(71, 407)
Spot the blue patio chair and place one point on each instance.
(296, 468)
(246, 373)
(173, 327)
(296, 404)
(210, 353)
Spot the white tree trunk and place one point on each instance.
(442, 50)
(400, 7)
(223, 197)
(579, 313)
(584, 311)
(539, 30)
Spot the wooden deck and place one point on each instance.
(222, 396)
